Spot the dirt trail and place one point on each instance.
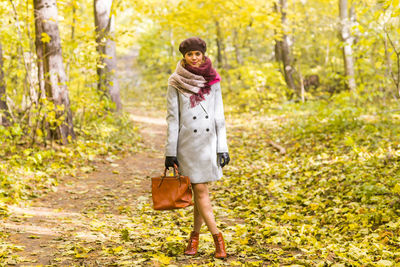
(75, 214)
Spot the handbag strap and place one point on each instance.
(176, 173)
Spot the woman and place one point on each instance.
(196, 140)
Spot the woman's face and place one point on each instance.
(194, 58)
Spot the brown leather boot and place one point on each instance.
(220, 252)
(193, 244)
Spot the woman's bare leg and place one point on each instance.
(204, 208)
(198, 220)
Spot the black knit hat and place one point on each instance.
(192, 44)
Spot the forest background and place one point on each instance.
(311, 88)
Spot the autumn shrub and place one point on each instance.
(253, 86)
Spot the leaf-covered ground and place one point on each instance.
(332, 198)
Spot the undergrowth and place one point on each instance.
(26, 170)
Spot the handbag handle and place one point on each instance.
(176, 173)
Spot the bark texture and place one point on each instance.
(347, 39)
(105, 24)
(52, 75)
(3, 103)
(282, 48)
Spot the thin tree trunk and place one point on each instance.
(238, 55)
(327, 50)
(283, 48)
(50, 60)
(395, 77)
(388, 60)
(28, 82)
(105, 23)
(302, 90)
(218, 40)
(39, 52)
(172, 48)
(172, 43)
(3, 103)
(278, 52)
(73, 3)
(347, 39)
(73, 23)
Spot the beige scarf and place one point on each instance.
(186, 82)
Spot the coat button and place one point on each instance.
(207, 117)
(207, 130)
(195, 131)
(194, 117)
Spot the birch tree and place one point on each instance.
(347, 40)
(106, 70)
(51, 70)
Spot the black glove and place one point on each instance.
(170, 161)
(223, 159)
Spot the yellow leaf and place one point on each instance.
(117, 249)
(39, 132)
(45, 38)
(396, 189)
(162, 258)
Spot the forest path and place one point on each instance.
(74, 224)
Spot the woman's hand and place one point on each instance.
(170, 161)
(223, 159)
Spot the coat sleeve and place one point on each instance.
(172, 121)
(222, 145)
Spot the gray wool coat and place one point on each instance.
(195, 135)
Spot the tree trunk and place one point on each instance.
(218, 40)
(347, 39)
(238, 55)
(70, 52)
(283, 48)
(39, 53)
(387, 58)
(278, 52)
(302, 89)
(3, 103)
(105, 24)
(395, 77)
(53, 75)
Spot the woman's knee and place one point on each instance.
(200, 190)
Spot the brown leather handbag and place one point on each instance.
(171, 192)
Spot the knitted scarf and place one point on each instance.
(194, 82)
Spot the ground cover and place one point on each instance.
(331, 198)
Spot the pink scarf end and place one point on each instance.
(217, 79)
